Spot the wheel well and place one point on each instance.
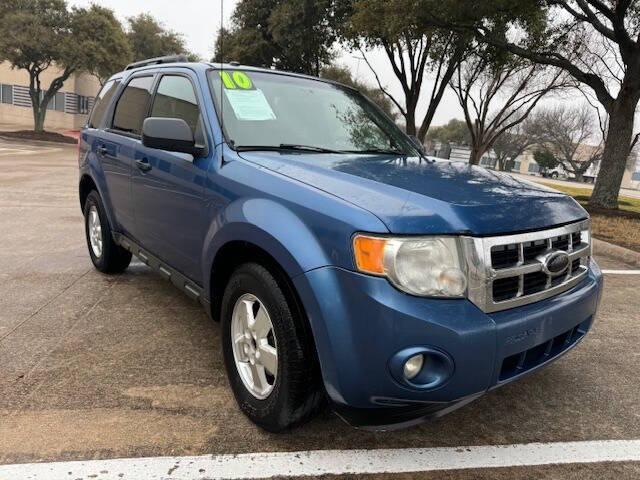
(234, 254)
(86, 186)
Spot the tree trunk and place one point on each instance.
(476, 155)
(616, 151)
(410, 120)
(39, 114)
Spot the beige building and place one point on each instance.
(67, 111)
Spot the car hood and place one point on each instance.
(418, 196)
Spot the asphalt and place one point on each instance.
(95, 366)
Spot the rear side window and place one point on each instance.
(176, 98)
(102, 103)
(132, 106)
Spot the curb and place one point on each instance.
(621, 253)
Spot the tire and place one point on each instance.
(110, 257)
(294, 393)
(554, 176)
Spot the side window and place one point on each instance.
(102, 103)
(132, 106)
(176, 98)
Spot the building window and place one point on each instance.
(534, 168)
(83, 105)
(516, 166)
(7, 94)
(57, 102)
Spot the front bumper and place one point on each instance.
(360, 322)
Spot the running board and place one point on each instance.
(192, 290)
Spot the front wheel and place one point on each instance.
(106, 255)
(268, 355)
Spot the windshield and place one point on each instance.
(265, 111)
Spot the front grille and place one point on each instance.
(504, 256)
(519, 363)
(514, 273)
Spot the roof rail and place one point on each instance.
(158, 61)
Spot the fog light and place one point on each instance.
(413, 366)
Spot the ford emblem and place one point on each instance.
(555, 263)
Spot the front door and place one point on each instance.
(168, 188)
(116, 147)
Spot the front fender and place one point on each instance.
(270, 226)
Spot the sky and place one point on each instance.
(198, 21)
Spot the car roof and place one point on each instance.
(205, 66)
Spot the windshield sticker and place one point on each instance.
(250, 105)
(236, 80)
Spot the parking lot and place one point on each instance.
(98, 367)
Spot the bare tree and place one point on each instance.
(410, 61)
(567, 133)
(495, 97)
(597, 42)
(417, 53)
(515, 142)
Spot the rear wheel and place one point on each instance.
(269, 359)
(106, 255)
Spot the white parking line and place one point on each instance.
(621, 272)
(331, 462)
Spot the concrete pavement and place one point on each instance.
(97, 367)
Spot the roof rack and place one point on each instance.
(158, 61)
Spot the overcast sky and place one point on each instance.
(199, 20)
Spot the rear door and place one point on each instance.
(119, 144)
(168, 187)
(116, 170)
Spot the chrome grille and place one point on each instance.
(507, 271)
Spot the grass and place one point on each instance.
(583, 195)
(621, 226)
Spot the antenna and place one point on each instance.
(222, 75)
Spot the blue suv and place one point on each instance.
(342, 263)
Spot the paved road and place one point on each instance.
(95, 367)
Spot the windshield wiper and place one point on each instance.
(388, 151)
(285, 146)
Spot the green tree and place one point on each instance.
(37, 35)
(149, 39)
(455, 132)
(342, 75)
(595, 41)
(546, 159)
(105, 47)
(414, 49)
(292, 35)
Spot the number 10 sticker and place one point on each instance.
(236, 80)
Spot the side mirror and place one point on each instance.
(171, 134)
(417, 143)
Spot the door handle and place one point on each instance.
(102, 150)
(143, 165)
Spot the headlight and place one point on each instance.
(425, 266)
